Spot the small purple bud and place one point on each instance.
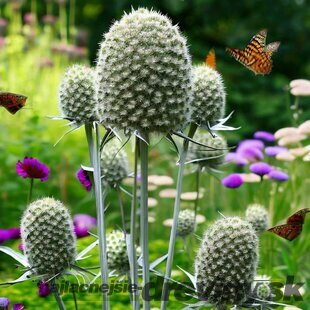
(18, 307)
(275, 150)
(4, 303)
(278, 175)
(21, 247)
(260, 168)
(264, 135)
(233, 180)
(44, 289)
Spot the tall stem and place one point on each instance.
(176, 211)
(72, 20)
(144, 237)
(121, 207)
(58, 298)
(197, 190)
(133, 219)
(95, 160)
(30, 190)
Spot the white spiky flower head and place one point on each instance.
(258, 217)
(77, 95)
(226, 262)
(47, 237)
(144, 79)
(209, 96)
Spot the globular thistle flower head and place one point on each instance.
(209, 96)
(144, 79)
(114, 163)
(211, 157)
(117, 252)
(77, 95)
(47, 237)
(186, 223)
(226, 262)
(258, 217)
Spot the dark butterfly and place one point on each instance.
(293, 226)
(12, 102)
(211, 59)
(256, 56)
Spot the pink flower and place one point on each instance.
(84, 179)
(32, 168)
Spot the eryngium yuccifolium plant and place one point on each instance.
(226, 262)
(117, 252)
(114, 163)
(77, 96)
(47, 237)
(186, 223)
(209, 95)
(144, 79)
(212, 158)
(258, 217)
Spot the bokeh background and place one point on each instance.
(34, 53)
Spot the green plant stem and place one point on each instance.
(121, 207)
(63, 22)
(144, 237)
(176, 211)
(95, 160)
(72, 20)
(133, 219)
(34, 10)
(30, 190)
(197, 190)
(58, 298)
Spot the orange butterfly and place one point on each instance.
(293, 226)
(211, 59)
(12, 102)
(256, 56)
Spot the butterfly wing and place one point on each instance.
(298, 217)
(211, 59)
(12, 102)
(258, 42)
(272, 47)
(287, 231)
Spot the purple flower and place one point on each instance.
(260, 168)
(4, 235)
(32, 168)
(250, 153)
(236, 158)
(264, 135)
(251, 143)
(21, 247)
(275, 150)
(233, 180)
(84, 179)
(4, 303)
(278, 175)
(14, 232)
(44, 289)
(18, 307)
(82, 224)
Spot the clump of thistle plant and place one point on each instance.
(77, 100)
(207, 157)
(47, 237)
(114, 163)
(258, 217)
(226, 262)
(144, 74)
(209, 95)
(186, 223)
(117, 252)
